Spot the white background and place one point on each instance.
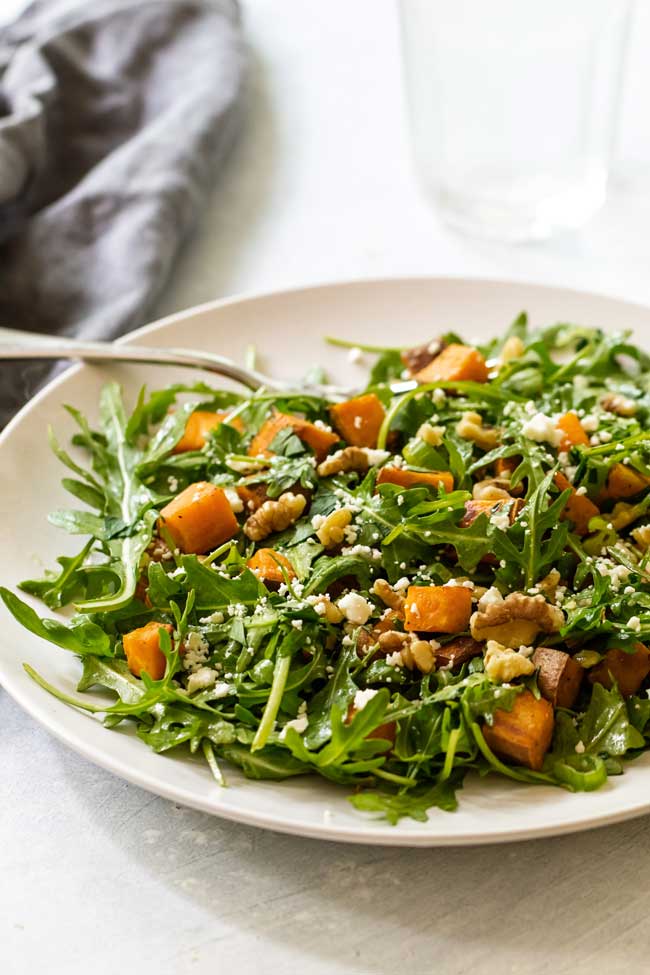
(98, 876)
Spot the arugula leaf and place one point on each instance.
(414, 803)
(81, 635)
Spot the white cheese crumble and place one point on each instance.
(355, 608)
(196, 651)
(394, 659)
(634, 623)
(200, 679)
(355, 355)
(580, 747)
(500, 520)
(361, 698)
(490, 598)
(541, 428)
(235, 502)
(375, 456)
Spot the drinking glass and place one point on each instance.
(513, 109)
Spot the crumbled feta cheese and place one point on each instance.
(355, 355)
(500, 520)
(318, 521)
(215, 617)
(196, 651)
(403, 583)
(580, 747)
(400, 500)
(363, 550)
(629, 590)
(439, 396)
(394, 659)
(235, 502)
(581, 490)
(605, 436)
(172, 483)
(375, 456)
(590, 423)
(357, 423)
(542, 428)
(355, 608)
(297, 624)
(634, 623)
(361, 698)
(491, 598)
(200, 679)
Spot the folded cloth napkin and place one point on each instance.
(114, 117)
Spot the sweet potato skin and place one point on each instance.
(437, 609)
(559, 676)
(579, 508)
(267, 564)
(407, 479)
(457, 652)
(358, 420)
(199, 518)
(524, 734)
(572, 430)
(628, 670)
(142, 650)
(318, 439)
(455, 362)
(197, 428)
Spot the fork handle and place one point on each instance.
(31, 345)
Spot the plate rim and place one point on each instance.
(369, 832)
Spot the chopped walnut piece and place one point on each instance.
(275, 516)
(619, 404)
(332, 531)
(502, 664)
(516, 620)
(513, 348)
(433, 436)
(470, 427)
(392, 640)
(548, 585)
(641, 536)
(324, 606)
(388, 595)
(350, 459)
(492, 489)
(419, 654)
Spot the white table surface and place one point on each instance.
(99, 876)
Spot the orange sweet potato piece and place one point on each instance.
(454, 363)
(252, 496)
(437, 609)
(579, 508)
(142, 650)
(358, 420)
(407, 479)
(267, 564)
(197, 428)
(199, 518)
(624, 482)
(318, 439)
(573, 431)
(628, 670)
(524, 734)
(559, 676)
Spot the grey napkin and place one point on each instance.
(114, 117)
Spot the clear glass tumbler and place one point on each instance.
(513, 109)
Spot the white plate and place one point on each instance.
(287, 328)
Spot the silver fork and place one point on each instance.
(30, 345)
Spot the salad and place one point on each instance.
(389, 592)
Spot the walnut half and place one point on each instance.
(516, 620)
(275, 516)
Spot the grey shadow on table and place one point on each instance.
(573, 904)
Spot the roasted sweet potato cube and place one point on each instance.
(318, 438)
(197, 428)
(358, 420)
(559, 676)
(457, 652)
(524, 734)
(455, 362)
(407, 479)
(267, 564)
(628, 670)
(437, 609)
(624, 482)
(199, 518)
(142, 650)
(579, 508)
(573, 432)
(252, 496)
